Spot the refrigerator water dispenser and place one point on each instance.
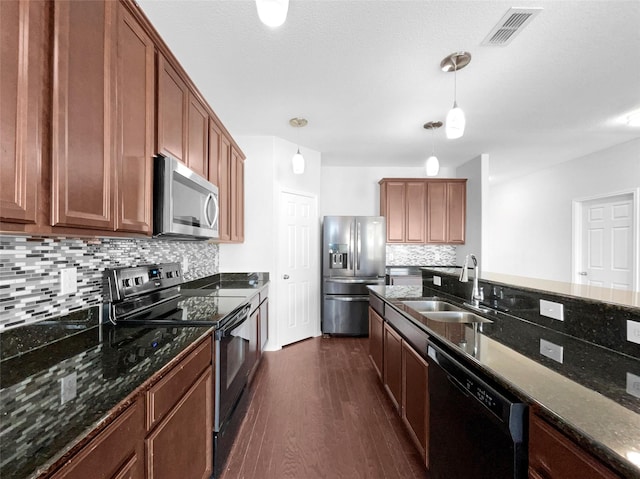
(338, 255)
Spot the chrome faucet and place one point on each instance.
(477, 294)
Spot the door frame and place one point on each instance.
(576, 232)
(315, 238)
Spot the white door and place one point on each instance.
(607, 242)
(298, 274)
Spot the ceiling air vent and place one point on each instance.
(509, 26)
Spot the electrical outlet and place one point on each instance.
(551, 350)
(185, 264)
(552, 310)
(68, 280)
(437, 280)
(633, 331)
(68, 387)
(633, 385)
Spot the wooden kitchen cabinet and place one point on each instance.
(415, 398)
(552, 455)
(198, 144)
(135, 125)
(403, 203)
(237, 203)
(83, 114)
(376, 340)
(392, 371)
(24, 73)
(424, 211)
(115, 453)
(263, 329)
(446, 211)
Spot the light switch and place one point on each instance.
(437, 280)
(68, 387)
(552, 310)
(633, 331)
(68, 281)
(633, 385)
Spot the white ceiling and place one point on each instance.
(366, 74)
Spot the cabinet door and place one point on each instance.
(136, 108)
(173, 97)
(415, 208)
(392, 357)
(215, 140)
(415, 398)
(239, 194)
(264, 326)
(198, 132)
(456, 212)
(181, 445)
(437, 212)
(376, 346)
(552, 455)
(115, 453)
(82, 123)
(224, 189)
(394, 213)
(22, 79)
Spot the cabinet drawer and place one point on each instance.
(166, 393)
(415, 336)
(114, 453)
(553, 455)
(377, 304)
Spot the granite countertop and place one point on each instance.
(111, 365)
(587, 395)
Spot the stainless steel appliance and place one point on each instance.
(151, 295)
(478, 430)
(185, 203)
(353, 256)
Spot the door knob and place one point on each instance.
(286, 276)
(582, 273)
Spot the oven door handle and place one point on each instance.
(238, 318)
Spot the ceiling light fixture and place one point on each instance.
(297, 162)
(272, 13)
(455, 122)
(432, 165)
(634, 119)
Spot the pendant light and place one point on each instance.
(297, 162)
(272, 13)
(432, 165)
(455, 122)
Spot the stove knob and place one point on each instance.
(138, 280)
(169, 274)
(126, 282)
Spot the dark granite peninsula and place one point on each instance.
(593, 395)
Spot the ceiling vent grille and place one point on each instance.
(509, 26)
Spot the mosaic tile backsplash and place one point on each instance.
(420, 255)
(30, 270)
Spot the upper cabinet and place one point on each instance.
(23, 53)
(424, 211)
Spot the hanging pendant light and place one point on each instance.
(297, 162)
(432, 165)
(272, 13)
(456, 121)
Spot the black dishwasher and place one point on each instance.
(475, 430)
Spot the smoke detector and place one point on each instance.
(510, 25)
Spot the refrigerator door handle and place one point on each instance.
(359, 245)
(349, 299)
(351, 246)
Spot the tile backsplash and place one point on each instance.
(420, 255)
(30, 270)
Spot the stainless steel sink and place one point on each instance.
(425, 306)
(455, 317)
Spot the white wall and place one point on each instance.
(477, 173)
(529, 219)
(267, 172)
(355, 191)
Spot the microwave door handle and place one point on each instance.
(209, 199)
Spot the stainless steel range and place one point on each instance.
(151, 295)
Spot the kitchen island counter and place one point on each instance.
(586, 396)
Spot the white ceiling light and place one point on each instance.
(297, 162)
(456, 121)
(432, 165)
(272, 13)
(634, 119)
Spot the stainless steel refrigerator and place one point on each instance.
(353, 256)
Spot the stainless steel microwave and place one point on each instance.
(185, 204)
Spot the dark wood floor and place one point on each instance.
(319, 411)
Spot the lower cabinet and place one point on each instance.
(552, 455)
(392, 372)
(415, 398)
(376, 340)
(117, 452)
(263, 329)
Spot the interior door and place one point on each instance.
(607, 242)
(298, 280)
